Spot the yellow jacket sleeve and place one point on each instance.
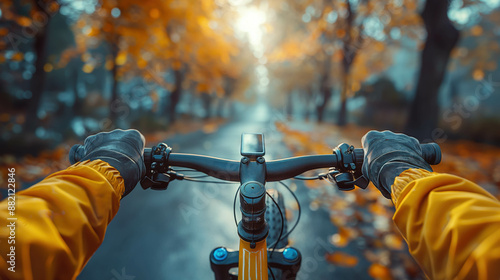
(61, 222)
(451, 225)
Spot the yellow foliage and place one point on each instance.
(48, 67)
(109, 64)
(154, 13)
(86, 56)
(88, 68)
(18, 56)
(341, 259)
(379, 272)
(341, 33)
(175, 33)
(23, 21)
(121, 58)
(202, 88)
(476, 30)
(478, 74)
(142, 63)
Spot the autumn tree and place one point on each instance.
(27, 24)
(351, 42)
(442, 36)
(185, 40)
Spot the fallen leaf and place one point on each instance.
(341, 259)
(378, 271)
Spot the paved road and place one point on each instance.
(169, 234)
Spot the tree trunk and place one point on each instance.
(77, 105)
(342, 117)
(326, 94)
(207, 103)
(442, 37)
(113, 112)
(289, 105)
(349, 52)
(38, 80)
(342, 120)
(325, 90)
(230, 84)
(175, 95)
(220, 107)
(309, 97)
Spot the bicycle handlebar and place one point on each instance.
(345, 158)
(229, 170)
(276, 170)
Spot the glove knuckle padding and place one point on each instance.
(387, 154)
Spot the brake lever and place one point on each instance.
(348, 175)
(157, 181)
(345, 181)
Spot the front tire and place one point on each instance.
(273, 219)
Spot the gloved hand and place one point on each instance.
(122, 149)
(387, 155)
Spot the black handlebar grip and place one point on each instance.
(430, 152)
(147, 157)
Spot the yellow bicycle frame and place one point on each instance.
(252, 262)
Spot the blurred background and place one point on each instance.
(310, 74)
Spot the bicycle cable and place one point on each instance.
(186, 170)
(193, 179)
(197, 177)
(298, 216)
(282, 224)
(234, 206)
(318, 177)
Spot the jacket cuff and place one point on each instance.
(109, 172)
(406, 177)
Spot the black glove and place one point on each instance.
(387, 155)
(122, 149)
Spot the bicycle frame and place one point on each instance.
(252, 261)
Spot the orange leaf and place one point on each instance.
(154, 13)
(341, 33)
(121, 59)
(23, 21)
(341, 259)
(478, 74)
(18, 56)
(378, 209)
(476, 30)
(342, 238)
(379, 271)
(210, 128)
(393, 241)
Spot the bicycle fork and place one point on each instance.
(254, 262)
